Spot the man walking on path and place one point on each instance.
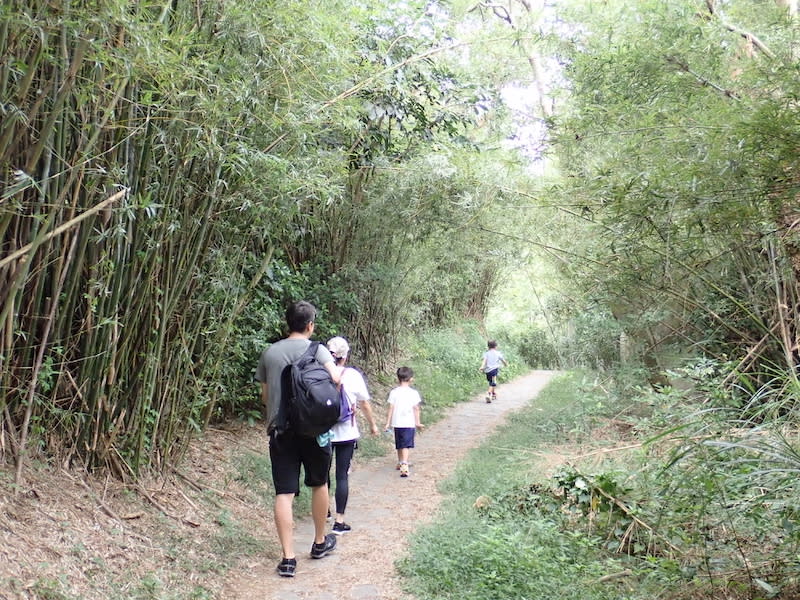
(288, 451)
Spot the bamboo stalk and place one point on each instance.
(55, 112)
(43, 345)
(62, 228)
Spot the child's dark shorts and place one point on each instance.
(403, 437)
(491, 376)
(287, 452)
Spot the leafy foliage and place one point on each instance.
(174, 175)
(682, 201)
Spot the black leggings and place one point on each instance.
(344, 454)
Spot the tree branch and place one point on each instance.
(750, 37)
(703, 81)
(63, 227)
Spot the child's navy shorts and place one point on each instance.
(491, 376)
(403, 437)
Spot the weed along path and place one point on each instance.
(383, 510)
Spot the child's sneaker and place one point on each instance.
(403, 469)
(489, 399)
(340, 528)
(287, 567)
(323, 549)
(397, 466)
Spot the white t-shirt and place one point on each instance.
(355, 390)
(494, 360)
(404, 398)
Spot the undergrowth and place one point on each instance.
(496, 539)
(599, 491)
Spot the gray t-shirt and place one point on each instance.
(271, 365)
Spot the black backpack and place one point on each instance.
(311, 401)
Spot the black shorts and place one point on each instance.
(491, 376)
(287, 452)
(404, 437)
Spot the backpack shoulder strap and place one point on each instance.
(311, 351)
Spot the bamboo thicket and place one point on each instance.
(114, 172)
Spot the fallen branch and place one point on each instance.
(163, 510)
(612, 576)
(608, 450)
(629, 513)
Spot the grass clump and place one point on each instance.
(496, 559)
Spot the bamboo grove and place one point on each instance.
(174, 172)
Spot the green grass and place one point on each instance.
(254, 471)
(515, 544)
(233, 539)
(371, 447)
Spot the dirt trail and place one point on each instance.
(383, 510)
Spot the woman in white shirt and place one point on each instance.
(345, 433)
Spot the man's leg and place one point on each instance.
(286, 479)
(284, 523)
(319, 511)
(317, 465)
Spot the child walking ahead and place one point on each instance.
(403, 415)
(492, 360)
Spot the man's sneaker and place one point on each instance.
(287, 567)
(340, 528)
(404, 470)
(323, 549)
